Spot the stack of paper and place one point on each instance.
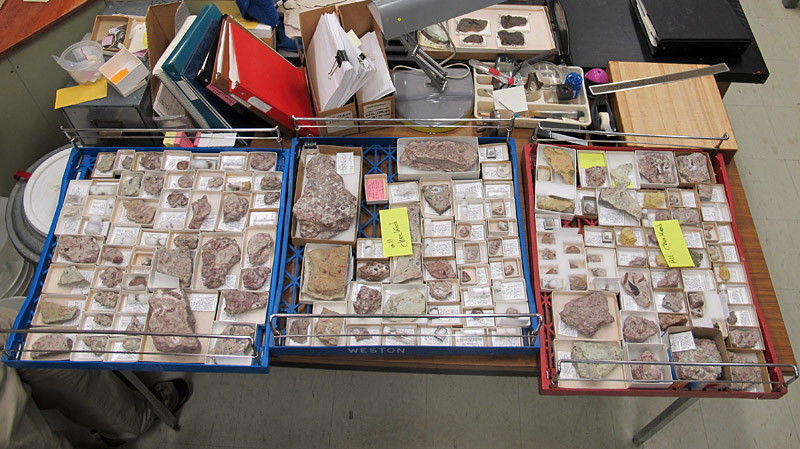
(380, 83)
(338, 68)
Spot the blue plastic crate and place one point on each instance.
(379, 156)
(79, 166)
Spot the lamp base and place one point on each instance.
(417, 99)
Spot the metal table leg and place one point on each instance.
(664, 418)
(158, 408)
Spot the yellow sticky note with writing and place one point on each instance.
(672, 244)
(587, 160)
(81, 93)
(395, 232)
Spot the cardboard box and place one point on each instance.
(162, 22)
(102, 25)
(699, 332)
(308, 25)
(125, 72)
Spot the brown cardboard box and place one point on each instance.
(308, 25)
(162, 22)
(701, 332)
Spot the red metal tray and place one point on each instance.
(547, 363)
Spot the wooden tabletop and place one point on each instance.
(529, 365)
(20, 21)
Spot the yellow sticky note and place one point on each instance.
(672, 244)
(395, 232)
(587, 160)
(81, 93)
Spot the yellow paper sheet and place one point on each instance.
(587, 160)
(672, 244)
(395, 232)
(81, 93)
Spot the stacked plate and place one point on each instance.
(16, 272)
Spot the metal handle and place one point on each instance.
(78, 134)
(719, 140)
(504, 123)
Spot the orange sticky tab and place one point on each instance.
(119, 76)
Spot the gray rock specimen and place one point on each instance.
(438, 196)
(440, 289)
(186, 181)
(133, 343)
(216, 182)
(51, 346)
(411, 301)
(637, 286)
(107, 299)
(271, 181)
(127, 162)
(673, 301)
(230, 346)
(407, 268)
(71, 277)
(139, 212)
(439, 155)
(299, 329)
(495, 246)
(361, 333)
(511, 38)
(620, 175)
(595, 176)
(326, 207)
(176, 262)
(328, 326)
(671, 279)
(705, 192)
(170, 313)
(188, 241)
(617, 197)
(182, 165)
(177, 199)
(577, 283)
(263, 161)
(150, 161)
(474, 39)
(153, 183)
(270, 197)
(697, 257)
(373, 271)
(748, 375)
(696, 303)
(218, 255)
(508, 21)
(666, 320)
(96, 344)
(258, 248)
(367, 301)
(111, 254)
(414, 216)
(234, 208)
(548, 254)
(584, 350)
(636, 329)
(440, 268)
(105, 161)
(705, 351)
(469, 25)
(239, 302)
(200, 210)
(104, 319)
(599, 272)
(744, 338)
(657, 168)
(693, 167)
(53, 313)
(325, 272)
(255, 278)
(687, 216)
(79, 249)
(647, 372)
(587, 313)
(111, 277)
(131, 185)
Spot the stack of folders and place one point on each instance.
(338, 68)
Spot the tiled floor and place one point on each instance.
(317, 408)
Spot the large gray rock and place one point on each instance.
(587, 313)
(326, 207)
(439, 155)
(218, 256)
(411, 301)
(584, 350)
(636, 329)
(705, 351)
(176, 262)
(170, 313)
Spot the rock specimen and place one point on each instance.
(373, 271)
(299, 329)
(234, 208)
(636, 285)
(468, 25)
(216, 182)
(111, 254)
(696, 303)
(200, 210)
(263, 161)
(697, 257)
(587, 313)
(176, 262)
(705, 352)
(473, 39)
(326, 207)
(367, 301)
(111, 277)
(561, 162)
(231, 346)
(548, 239)
(361, 333)
(271, 181)
(636, 329)
(705, 192)
(744, 338)
(107, 299)
(150, 161)
(407, 268)
(240, 302)
(104, 319)
(138, 281)
(50, 346)
(133, 343)
(258, 248)
(495, 247)
(465, 277)
(270, 198)
(666, 320)
(170, 313)
(657, 168)
(508, 21)
(647, 372)
(509, 269)
(218, 256)
(595, 176)
(464, 231)
(328, 326)
(693, 167)
(555, 204)
(511, 38)
(577, 283)
(748, 375)
(671, 279)
(627, 237)
(686, 216)
(105, 162)
(674, 200)
(440, 289)
(724, 273)
(548, 254)
(185, 181)
(411, 301)
(572, 249)
(654, 200)
(131, 185)
(732, 318)
(325, 272)
(440, 269)
(640, 261)
(139, 212)
(127, 162)
(620, 175)
(53, 313)
(71, 277)
(255, 278)
(153, 183)
(584, 350)
(177, 199)
(439, 155)
(78, 249)
(96, 344)
(617, 197)
(182, 165)
(651, 237)
(673, 301)
(438, 196)
(594, 258)
(599, 272)
(188, 241)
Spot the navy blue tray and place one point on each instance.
(379, 156)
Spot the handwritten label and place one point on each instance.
(511, 247)
(587, 160)
(498, 191)
(395, 232)
(374, 187)
(682, 341)
(672, 243)
(477, 233)
(567, 330)
(344, 163)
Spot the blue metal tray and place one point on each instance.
(379, 156)
(79, 166)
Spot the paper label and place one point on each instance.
(498, 191)
(482, 275)
(511, 291)
(490, 172)
(738, 296)
(689, 200)
(475, 212)
(682, 341)
(610, 217)
(260, 105)
(263, 218)
(504, 340)
(511, 247)
(125, 236)
(467, 191)
(132, 305)
(83, 289)
(477, 297)
(403, 193)
(587, 160)
(469, 340)
(746, 318)
(477, 233)
(594, 239)
(567, 369)
(172, 220)
(694, 283)
(374, 189)
(184, 86)
(718, 195)
(441, 229)
(725, 234)
(233, 163)
(709, 212)
(479, 322)
(395, 232)
(70, 226)
(672, 243)
(98, 207)
(693, 239)
(381, 109)
(567, 330)
(441, 249)
(496, 269)
(344, 163)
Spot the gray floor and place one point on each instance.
(316, 408)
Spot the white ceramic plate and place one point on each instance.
(40, 199)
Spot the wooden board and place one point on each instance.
(20, 21)
(690, 107)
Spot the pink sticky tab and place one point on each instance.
(374, 189)
(107, 40)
